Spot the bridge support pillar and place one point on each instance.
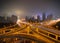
(48, 34)
(28, 30)
(37, 29)
(57, 37)
(3, 31)
(33, 42)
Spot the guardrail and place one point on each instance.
(48, 34)
(11, 30)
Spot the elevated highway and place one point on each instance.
(31, 32)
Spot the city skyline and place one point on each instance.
(30, 7)
(29, 21)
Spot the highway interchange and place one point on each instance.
(30, 31)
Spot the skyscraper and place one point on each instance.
(13, 18)
(49, 17)
(43, 16)
(26, 18)
(38, 18)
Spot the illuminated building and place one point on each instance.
(38, 18)
(49, 17)
(43, 17)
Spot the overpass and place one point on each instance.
(31, 32)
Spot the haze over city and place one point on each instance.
(29, 21)
(30, 7)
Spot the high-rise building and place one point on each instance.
(43, 16)
(49, 17)
(33, 19)
(38, 18)
(26, 18)
(13, 19)
(9, 19)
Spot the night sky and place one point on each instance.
(29, 7)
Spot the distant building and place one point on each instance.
(9, 19)
(2, 19)
(13, 19)
(43, 17)
(49, 17)
(38, 18)
(33, 19)
(26, 18)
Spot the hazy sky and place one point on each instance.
(30, 7)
